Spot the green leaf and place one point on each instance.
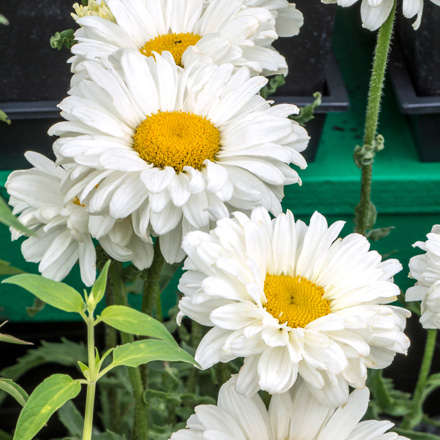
(7, 218)
(62, 39)
(4, 117)
(378, 234)
(273, 84)
(13, 340)
(65, 353)
(306, 113)
(108, 435)
(72, 419)
(7, 269)
(128, 320)
(4, 435)
(14, 390)
(36, 307)
(54, 293)
(147, 350)
(3, 20)
(98, 289)
(49, 396)
(413, 435)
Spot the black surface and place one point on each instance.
(307, 54)
(30, 70)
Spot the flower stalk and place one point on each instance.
(140, 427)
(415, 414)
(91, 383)
(365, 213)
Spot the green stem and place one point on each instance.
(152, 281)
(415, 414)
(140, 426)
(364, 218)
(151, 292)
(91, 383)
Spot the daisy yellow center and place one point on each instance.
(177, 139)
(294, 300)
(174, 43)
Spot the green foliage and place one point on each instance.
(306, 113)
(7, 269)
(3, 20)
(378, 234)
(4, 117)
(385, 398)
(65, 353)
(72, 419)
(8, 219)
(54, 293)
(148, 350)
(128, 320)
(271, 87)
(413, 435)
(48, 397)
(62, 39)
(98, 289)
(14, 390)
(11, 339)
(35, 308)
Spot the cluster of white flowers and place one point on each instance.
(165, 135)
(165, 131)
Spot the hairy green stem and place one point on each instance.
(140, 427)
(415, 414)
(152, 279)
(364, 218)
(91, 385)
(151, 294)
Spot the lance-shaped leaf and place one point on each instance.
(7, 269)
(7, 218)
(148, 350)
(49, 396)
(98, 289)
(131, 321)
(14, 390)
(54, 293)
(12, 339)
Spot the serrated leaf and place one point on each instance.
(6, 216)
(72, 419)
(14, 390)
(54, 293)
(49, 396)
(147, 350)
(66, 353)
(131, 321)
(98, 289)
(7, 269)
(413, 435)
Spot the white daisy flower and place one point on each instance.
(176, 147)
(226, 31)
(411, 8)
(288, 19)
(294, 415)
(425, 269)
(292, 300)
(63, 228)
(375, 12)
